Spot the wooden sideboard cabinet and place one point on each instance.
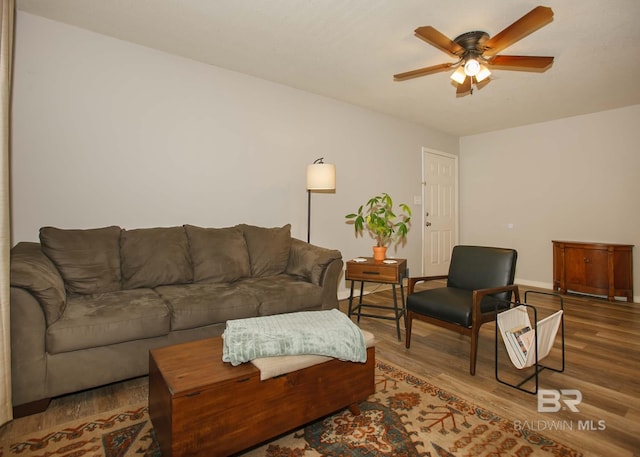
(593, 268)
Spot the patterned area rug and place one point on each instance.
(406, 417)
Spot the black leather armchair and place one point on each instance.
(477, 274)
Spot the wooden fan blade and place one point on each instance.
(439, 40)
(527, 63)
(464, 87)
(530, 22)
(421, 72)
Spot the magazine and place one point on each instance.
(520, 340)
(520, 336)
(523, 338)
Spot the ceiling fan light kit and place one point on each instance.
(476, 51)
(471, 67)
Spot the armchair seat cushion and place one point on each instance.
(446, 304)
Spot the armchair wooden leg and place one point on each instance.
(408, 321)
(474, 351)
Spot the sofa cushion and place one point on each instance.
(198, 305)
(98, 320)
(268, 249)
(218, 254)
(88, 260)
(283, 294)
(34, 271)
(154, 257)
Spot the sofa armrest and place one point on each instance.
(309, 261)
(329, 283)
(32, 270)
(319, 266)
(28, 353)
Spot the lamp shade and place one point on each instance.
(459, 75)
(483, 74)
(321, 176)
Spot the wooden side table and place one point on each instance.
(391, 271)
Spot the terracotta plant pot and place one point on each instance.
(379, 253)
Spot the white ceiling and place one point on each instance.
(349, 49)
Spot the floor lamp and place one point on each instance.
(320, 177)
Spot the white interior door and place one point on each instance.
(439, 210)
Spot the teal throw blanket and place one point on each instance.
(329, 333)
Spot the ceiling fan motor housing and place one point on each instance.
(472, 42)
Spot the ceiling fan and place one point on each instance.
(476, 51)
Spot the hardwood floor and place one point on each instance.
(602, 362)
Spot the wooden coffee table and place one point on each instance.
(201, 406)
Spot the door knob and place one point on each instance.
(427, 224)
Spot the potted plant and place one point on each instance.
(380, 220)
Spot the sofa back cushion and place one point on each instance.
(218, 254)
(268, 249)
(88, 260)
(155, 256)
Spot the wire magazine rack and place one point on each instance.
(520, 315)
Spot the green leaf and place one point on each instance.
(379, 219)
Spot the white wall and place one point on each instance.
(572, 179)
(107, 132)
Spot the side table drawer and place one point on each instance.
(377, 273)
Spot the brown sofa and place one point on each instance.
(87, 305)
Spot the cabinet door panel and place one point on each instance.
(596, 263)
(574, 265)
(622, 267)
